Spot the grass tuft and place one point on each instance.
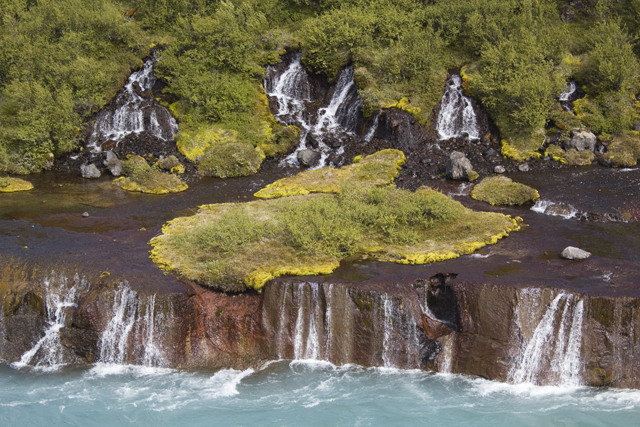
(500, 190)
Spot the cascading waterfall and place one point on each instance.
(569, 89)
(59, 298)
(133, 320)
(292, 92)
(388, 327)
(558, 339)
(308, 348)
(457, 117)
(136, 112)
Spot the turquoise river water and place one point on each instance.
(297, 393)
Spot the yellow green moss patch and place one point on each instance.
(521, 149)
(378, 169)
(235, 247)
(143, 178)
(11, 185)
(571, 157)
(500, 190)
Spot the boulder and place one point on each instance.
(636, 125)
(499, 169)
(113, 164)
(571, 252)
(523, 167)
(581, 140)
(458, 166)
(309, 158)
(90, 171)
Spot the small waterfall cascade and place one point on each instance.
(399, 332)
(306, 344)
(568, 91)
(548, 207)
(135, 112)
(60, 297)
(130, 334)
(456, 117)
(552, 355)
(321, 129)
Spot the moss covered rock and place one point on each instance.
(141, 177)
(230, 160)
(623, 153)
(500, 190)
(10, 185)
(378, 169)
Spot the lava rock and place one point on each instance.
(499, 169)
(90, 171)
(524, 167)
(308, 158)
(581, 140)
(574, 253)
(458, 166)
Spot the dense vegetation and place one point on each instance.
(62, 60)
(232, 247)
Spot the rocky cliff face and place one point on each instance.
(508, 333)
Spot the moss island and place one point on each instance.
(11, 185)
(500, 190)
(140, 176)
(237, 246)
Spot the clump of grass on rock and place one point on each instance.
(11, 185)
(230, 160)
(139, 176)
(234, 247)
(500, 190)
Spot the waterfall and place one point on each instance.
(132, 326)
(555, 345)
(292, 91)
(308, 348)
(372, 130)
(457, 117)
(136, 112)
(388, 328)
(569, 89)
(59, 298)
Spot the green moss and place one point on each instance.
(472, 176)
(522, 148)
(194, 143)
(10, 185)
(141, 177)
(623, 152)
(380, 168)
(233, 247)
(556, 153)
(230, 160)
(500, 190)
(578, 158)
(171, 164)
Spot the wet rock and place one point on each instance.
(571, 252)
(308, 158)
(113, 164)
(491, 153)
(85, 214)
(581, 140)
(499, 169)
(90, 171)
(458, 166)
(524, 167)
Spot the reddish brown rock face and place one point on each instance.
(494, 330)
